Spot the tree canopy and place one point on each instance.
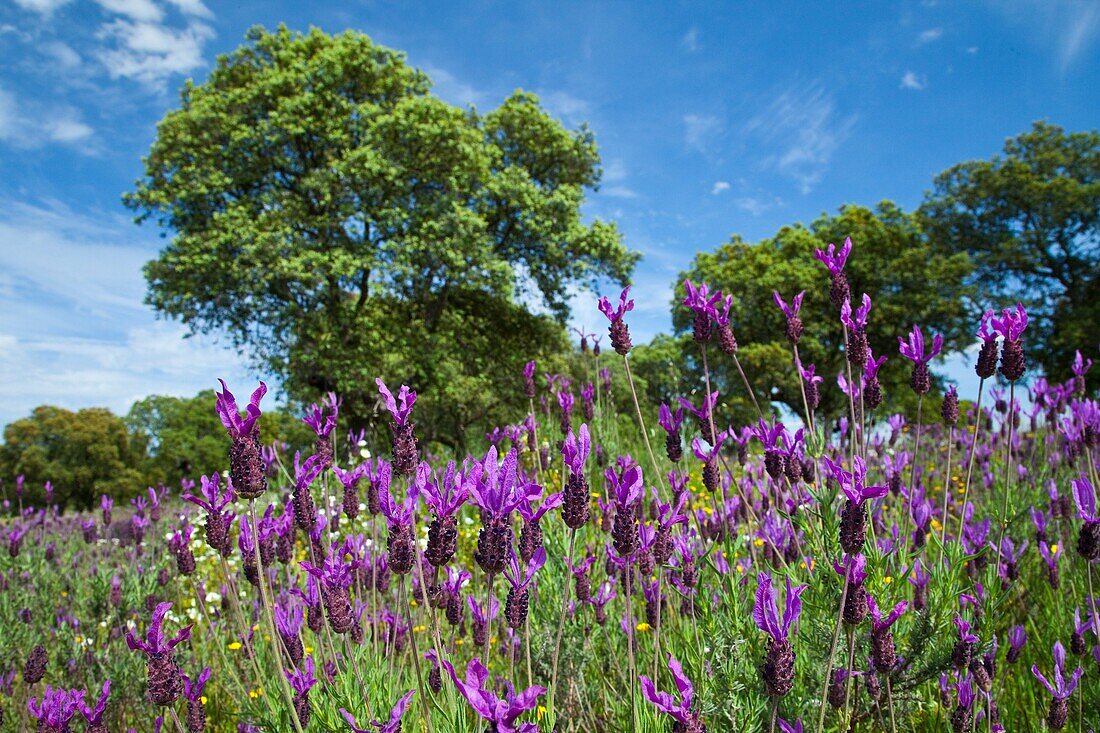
(919, 286)
(1030, 219)
(83, 454)
(339, 222)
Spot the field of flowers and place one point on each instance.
(594, 571)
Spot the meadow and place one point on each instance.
(594, 569)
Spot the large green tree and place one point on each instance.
(339, 222)
(83, 454)
(908, 281)
(1030, 219)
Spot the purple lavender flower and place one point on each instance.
(703, 412)
(289, 618)
(1061, 688)
(445, 498)
(1088, 541)
(853, 568)
(56, 709)
(727, 342)
(302, 681)
(1080, 368)
(856, 323)
(497, 493)
(810, 381)
(883, 653)
(192, 692)
(163, 672)
(323, 423)
(1011, 326)
(401, 545)
(778, 669)
(785, 727)
(1017, 637)
(964, 645)
(335, 578)
(626, 488)
(680, 710)
(106, 503)
(405, 455)
(671, 421)
(246, 468)
(709, 456)
(214, 500)
(986, 365)
(530, 537)
(701, 302)
(575, 499)
(618, 331)
(94, 715)
(914, 350)
(392, 725)
(501, 714)
(853, 530)
(835, 261)
(794, 323)
(529, 379)
(519, 580)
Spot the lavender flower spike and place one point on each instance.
(778, 669)
(1088, 541)
(679, 710)
(246, 467)
(56, 709)
(501, 714)
(165, 683)
(404, 441)
(914, 350)
(94, 715)
(618, 331)
(1061, 689)
(392, 725)
(794, 322)
(834, 260)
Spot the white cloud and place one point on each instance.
(451, 89)
(42, 7)
(63, 54)
(66, 275)
(690, 40)
(144, 11)
(700, 131)
(803, 122)
(972, 50)
(930, 35)
(620, 192)
(570, 109)
(614, 171)
(719, 187)
(1068, 28)
(32, 125)
(194, 8)
(1080, 33)
(755, 205)
(914, 81)
(149, 52)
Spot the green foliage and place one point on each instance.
(84, 454)
(1030, 219)
(921, 286)
(339, 222)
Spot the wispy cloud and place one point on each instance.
(755, 205)
(150, 52)
(567, 107)
(719, 187)
(72, 324)
(929, 36)
(700, 131)
(1068, 28)
(42, 7)
(454, 90)
(620, 192)
(690, 40)
(914, 81)
(29, 124)
(806, 127)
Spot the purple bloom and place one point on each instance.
(703, 413)
(575, 449)
(154, 642)
(1061, 688)
(879, 622)
(765, 612)
(1017, 637)
(302, 680)
(1011, 324)
(94, 715)
(853, 568)
(492, 709)
(785, 727)
(527, 510)
(56, 709)
(521, 578)
(392, 725)
(699, 298)
(852, 483)
(626, 487)
(708, 453)
(226, 407)
(616, 314)
(401, 407)
(446, 500)
(1085, 498)
(914, 350)
(495, 489)
(834, 260)
(670, 420)
(790, 311)
(678, 709)
(192, 690)
(323, 424)
(856, 320)
(964, 631)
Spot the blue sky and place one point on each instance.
(712, 118)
